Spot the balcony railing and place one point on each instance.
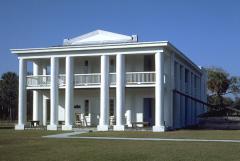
(38, 80)
(87, 79)
(93, 79)
(140, 77)
(112, 78)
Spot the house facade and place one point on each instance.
(110, 81)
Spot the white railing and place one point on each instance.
(112, 78)
(87, 79)
(91, 79)
(140, 77)
(62, 80)
(38, 81)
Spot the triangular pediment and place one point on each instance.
(100, 37)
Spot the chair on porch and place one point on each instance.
(81, 119)
(78, 121)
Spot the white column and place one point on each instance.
(159, 93)
(37, 98)
(192, 108)
(44, 100)
(120, 92)
(171, 110)
(183, 123)
(129, 117)
(189, 105)
(22, 103)
(68, 94)
(178, 98)
(54, 94)
(45, 110)
(104, 95)
(194, 102)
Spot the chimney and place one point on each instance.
(134, 38)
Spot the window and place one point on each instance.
(111, 107)
(181, 73)
(149, 64)
(86, 63)
(112, 66)
(186, 76)
(86, 108)
(112, 62)
(85, 66)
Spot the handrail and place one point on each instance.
(85, 79)
(140, 72)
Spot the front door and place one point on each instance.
(149, 111)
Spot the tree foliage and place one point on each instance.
(9, 95)
(222, 87)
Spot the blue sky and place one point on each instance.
(208, 32)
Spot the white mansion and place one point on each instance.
(110, 80)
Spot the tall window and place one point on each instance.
(86, 108)
(86, 63)
(86, 66)
(112, 66)
(111, 107)
(186, 76)
(149, 64)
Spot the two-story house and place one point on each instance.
(107, 80)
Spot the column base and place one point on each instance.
(66, 127)
(102, 128)
(19, 127)
(118, 128)
(52, 127)
(159, 128)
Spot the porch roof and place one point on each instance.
(103, 40)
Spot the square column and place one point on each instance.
(159, 93)
(177, 107)
(120, 92)
(192, 102)
(189, 105)
(183, 104)
(54, 94)
(22, 95)
(104, 95)
(68, 94)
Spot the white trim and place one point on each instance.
(90, 47)
(97, 53)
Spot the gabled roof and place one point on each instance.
(100, 37)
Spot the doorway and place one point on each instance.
(149, 63)
(149, 110)
(48, 110)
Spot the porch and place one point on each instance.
(93, 80)
(138, 110)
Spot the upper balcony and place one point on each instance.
(93, 80)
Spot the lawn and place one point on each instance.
(180, 134)
(29, 145)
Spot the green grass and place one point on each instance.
(181, 134)
(30, 146)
